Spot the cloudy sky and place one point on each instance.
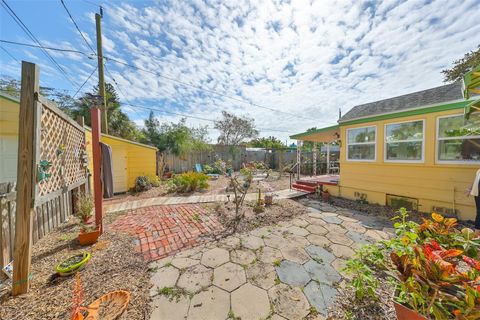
(288, 64)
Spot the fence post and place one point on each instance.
(29, 129)
(97, 161)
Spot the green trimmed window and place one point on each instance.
(404, 141)
(361, 144)
(458, 140)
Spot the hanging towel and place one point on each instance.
(107, 170)
(475, 192)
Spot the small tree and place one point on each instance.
(270, 142)
(234, 130)
(460, 67)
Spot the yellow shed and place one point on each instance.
(130, 159)
(416, 148)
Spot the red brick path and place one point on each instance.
(164, 230)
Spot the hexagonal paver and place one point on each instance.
(318, 240)
(189, 253)
(353, 226)
(210, 304)
(275, 241)
(320, 254)
(160, 263)
(320, 295)
(261, 274)
(317, 221)
(215, 257)
(289, 302)
(231, 242)
(322, 272)
(359, 239)
(252, 242)
(300, 222)
(342, 251)
(277, 317)
(229, 276)
(292, 273)
(317, 229)
(164, 277)
(164, 308)
(261, 232)
(339, 238)
(344, 216)
(250, 302)
(182, 263)
(298, 241)
(377, 235)
(269, 255)
(298, 231)
(335, 228)
(195, 278)
(242, 256)
(295, 254)
(338, 264)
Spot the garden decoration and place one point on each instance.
(72, 264)
(42, 169)
(259, 208)
(268, 199)
(77, 300)
(60, 150)
(109, 306)
(434, 266)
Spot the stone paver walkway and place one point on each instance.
(142, 203)
(287, 271)
(164, 230)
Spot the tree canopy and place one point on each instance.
(234, 130)
(461, 66)
(176, 138)
(270, 142)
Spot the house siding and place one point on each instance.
(433, 184)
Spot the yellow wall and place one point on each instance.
(434, 184)
(141, 159)
(8, 139)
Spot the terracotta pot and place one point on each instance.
(88, 238)
(405, 313)
(325, 196)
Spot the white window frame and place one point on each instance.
(437, 143)
(360, 143)
(422, 160)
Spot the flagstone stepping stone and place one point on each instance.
(353, 226)
(359, 238)
(195, 278)
(231, 242)
(329, 214)
(295, 254)
(320, 254)
(298, 241)
(317, 229)
(252, 242)
(292, 273)
(229, 276)
(269, 255)
(332, 219)
(275, 241)
(342, 251)
(250, 302)
(335, 228)
(261, 274)
(182, 263)
(339, 238)
(314, 213)
(300, 222)
(277, 317)
(322, 272)
(259, 232)
(318, 240)
(298, 231)
(215, 257)
(210, 304)
(243, 256)
(164, 277)
(289, 302)
(320, 295)
(164, 308)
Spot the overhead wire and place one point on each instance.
(11, 55)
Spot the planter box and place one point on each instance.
(88, 238)
(405, 313)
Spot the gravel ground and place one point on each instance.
(114, 265)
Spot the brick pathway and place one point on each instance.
(164, 230)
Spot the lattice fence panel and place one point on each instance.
(62, 144)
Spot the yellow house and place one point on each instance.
(416, 150)
(130, 159)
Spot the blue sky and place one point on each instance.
(305, 58)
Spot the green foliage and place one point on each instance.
(218, 167)
(142, 183)
(234, 130)
(85, 206)
(176, 138)
(154, 181)
(469, 61)
(247, 173)
(270, 142)
(364, 280)
(188, 182)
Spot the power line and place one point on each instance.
(91, 74)
(76, 25)
(11, 55)
(48, 48)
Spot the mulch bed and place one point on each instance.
(114, 265)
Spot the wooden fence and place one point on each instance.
(51, 170)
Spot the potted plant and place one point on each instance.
(84, 207)
(325, 195)
(88, 234)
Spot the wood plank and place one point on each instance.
(41, 232)
(4, 233)
(29, 123)
(54, 194)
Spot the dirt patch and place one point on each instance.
(114, 265)
(280, 210)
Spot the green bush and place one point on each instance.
(188, 182)
(207, 169)
(142, 183)
(154, 181)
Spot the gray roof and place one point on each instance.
(438, 95)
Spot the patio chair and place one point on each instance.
(199, 169)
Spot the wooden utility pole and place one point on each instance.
(97, 162)
(101, 78)
(28, 155)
